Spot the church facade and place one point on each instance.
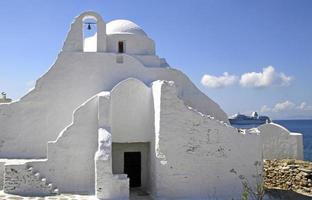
(103, 122)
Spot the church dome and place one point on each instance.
(122, 26)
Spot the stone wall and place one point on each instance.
(295, 175)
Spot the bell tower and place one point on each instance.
(75, 38)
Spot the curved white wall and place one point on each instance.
(279, 143)
(132, 113)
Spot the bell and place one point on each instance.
(89, 26)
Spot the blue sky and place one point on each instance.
(264, 46)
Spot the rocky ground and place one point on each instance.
(289, 175)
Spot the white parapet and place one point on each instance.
(279, 143)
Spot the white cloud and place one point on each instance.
(266, 78)
(304, 106)
(288, 110)
(219, 82)
(286, 105)
(285, 80)
(265, 109)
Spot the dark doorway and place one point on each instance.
(121, 48)
(132, 167)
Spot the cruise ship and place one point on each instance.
(252, 121)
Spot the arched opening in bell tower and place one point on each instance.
(89, 27)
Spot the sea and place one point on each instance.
(304, 127)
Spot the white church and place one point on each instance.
(114, 116)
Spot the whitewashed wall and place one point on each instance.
(134, 44)
(279, 143)
(40, 115)
(195, 153)
(70, 164)
(185, 143)
(132, 112)
(76, 76)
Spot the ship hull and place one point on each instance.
(247, 122)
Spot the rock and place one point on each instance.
(288, 175)
(293, 166)
(308, 171)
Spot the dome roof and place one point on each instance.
(123, 26)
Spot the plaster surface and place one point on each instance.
(279, 143)
(188, 142)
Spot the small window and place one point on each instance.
(121, 47)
